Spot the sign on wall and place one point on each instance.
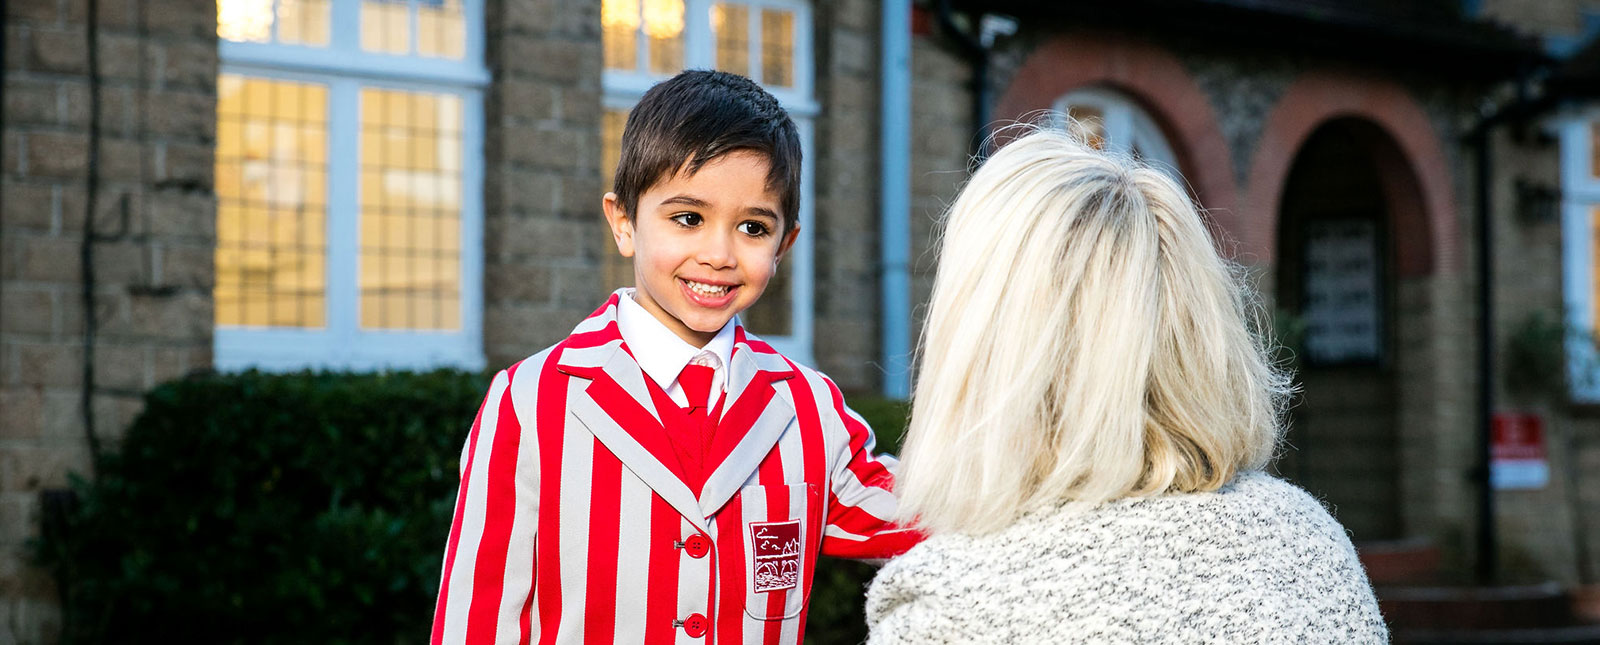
(1343, 315)
(1517, 456)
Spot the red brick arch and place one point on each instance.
(1411, 164)
(1152, 77)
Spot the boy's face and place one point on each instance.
(705, 245)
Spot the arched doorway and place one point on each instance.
(1337, 280)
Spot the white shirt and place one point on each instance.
(662, 354)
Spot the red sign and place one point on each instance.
(1516, 436)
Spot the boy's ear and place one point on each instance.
(788, 241)
(621, 226)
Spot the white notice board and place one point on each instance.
(1344, 322)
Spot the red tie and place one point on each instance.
(696, 383)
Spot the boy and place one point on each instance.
(662, 475)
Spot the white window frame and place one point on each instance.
(623, 89)
(344, 68)
(1580, 194)
(1126, 125)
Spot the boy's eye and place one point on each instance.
(753, 229)
(687, 219)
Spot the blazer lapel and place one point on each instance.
(754, 418)
(617, 409)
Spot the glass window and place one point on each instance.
(1111, 120)
(426, 28)
(777, 47)
(731, 24)
(296, 22)
(646, 41)
(643, 34)
(1580, 235)
(271, 183)
(410, 200)
(245, 20)
(348, 193)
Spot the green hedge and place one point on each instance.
(302, 507)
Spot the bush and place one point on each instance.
(303, 507)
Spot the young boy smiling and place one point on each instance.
(661, 475)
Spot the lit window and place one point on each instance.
(410, 210)
(430, 28)
(348, 184)
(271, 182)
(647, 41)
(777, 47)
(296, 22)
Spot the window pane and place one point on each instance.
(441, 29)
(410, 191)
(663, 25)
(731, 23)
(620, 20)
(270, 212)
(303, 22)
(244, 20)
(386, 26)
(777, 47)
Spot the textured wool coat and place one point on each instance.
(574, 522)
(1258, 561)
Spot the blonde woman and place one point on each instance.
(1090, 424)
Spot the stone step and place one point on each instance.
(1573, 635)
(1400, 562)
(1475, 608)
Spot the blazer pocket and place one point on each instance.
(776, 521)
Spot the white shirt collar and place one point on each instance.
(662, 354)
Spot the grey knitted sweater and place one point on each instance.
(1258, 561)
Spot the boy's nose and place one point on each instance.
(716, 250)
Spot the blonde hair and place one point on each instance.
(1085, 342)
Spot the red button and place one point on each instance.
(697, 545)
(695, 625)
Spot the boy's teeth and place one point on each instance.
(706, 289)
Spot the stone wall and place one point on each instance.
(846, 342)
(542, 187)
(152, 236)
(943, 138)
(1536, 526)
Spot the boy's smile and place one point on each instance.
(705, 245)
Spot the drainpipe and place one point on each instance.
(1488, 545)
(1521, 108)
(894, 215)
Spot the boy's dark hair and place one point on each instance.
(698, 116)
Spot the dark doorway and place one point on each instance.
(1336, 282)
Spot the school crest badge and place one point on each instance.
(777, 555)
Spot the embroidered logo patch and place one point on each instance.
(777, 550)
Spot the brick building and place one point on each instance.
(373, 184)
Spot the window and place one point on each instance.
(1116, 121)
(348, 179)
(648, 41)
(1580, 240)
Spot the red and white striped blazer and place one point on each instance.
(571, 526)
